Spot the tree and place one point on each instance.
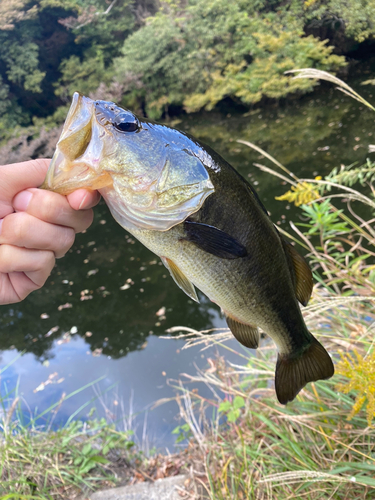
(196, 53)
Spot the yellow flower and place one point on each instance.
(303, 193)
(360, 373)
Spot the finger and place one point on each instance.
(24, 175)
(53, 208)
(17, 177)
(22, 271)
(24, 230)
(83, 199)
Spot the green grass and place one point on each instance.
(37, 462)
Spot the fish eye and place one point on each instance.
(126, 122)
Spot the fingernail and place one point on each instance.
(1, 223)
(21, 200)
(83, 201)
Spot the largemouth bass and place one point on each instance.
(206, 223)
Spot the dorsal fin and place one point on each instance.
(303, 280)
(180, 279)
(247, 335)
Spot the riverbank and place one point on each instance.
(75, 460)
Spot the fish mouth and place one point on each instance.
(64, 177)
(76, 161)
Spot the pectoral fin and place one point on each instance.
(180, 279)
(213, 240)
(247, 335)
(303, 280)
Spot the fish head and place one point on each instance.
(149, 175)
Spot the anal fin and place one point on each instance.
(247, 335)
(294, 371)
(180, 279)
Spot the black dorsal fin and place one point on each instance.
(303, 279)
(214, 240)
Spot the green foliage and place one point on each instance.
(152, 55)
(323, 219)
(22, 63)
(82, 76)
(50, 48)
(55, 462)
(265, 76)
(208, 50)
(348, 176)
(4, 102)
(232, 409)
(355, 18)
(102, 439)
(183, 433)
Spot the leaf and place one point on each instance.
(87, 449)
(225, 406)
(238, 402)
(99, 459)
(233, 415)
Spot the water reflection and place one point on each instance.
(128, 387)
(111, 291)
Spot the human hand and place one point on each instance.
(36, 227)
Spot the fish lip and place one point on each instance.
(60, 181)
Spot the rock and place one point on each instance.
(165, 489)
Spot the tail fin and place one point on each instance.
(294, 372)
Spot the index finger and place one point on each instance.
(19, 176)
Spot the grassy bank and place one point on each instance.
(44, 462)
(316, 447)
(39, 460)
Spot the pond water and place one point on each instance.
(108, 302)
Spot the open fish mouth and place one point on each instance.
(75, 163)
(64, 177)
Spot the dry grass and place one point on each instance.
(307, 449)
